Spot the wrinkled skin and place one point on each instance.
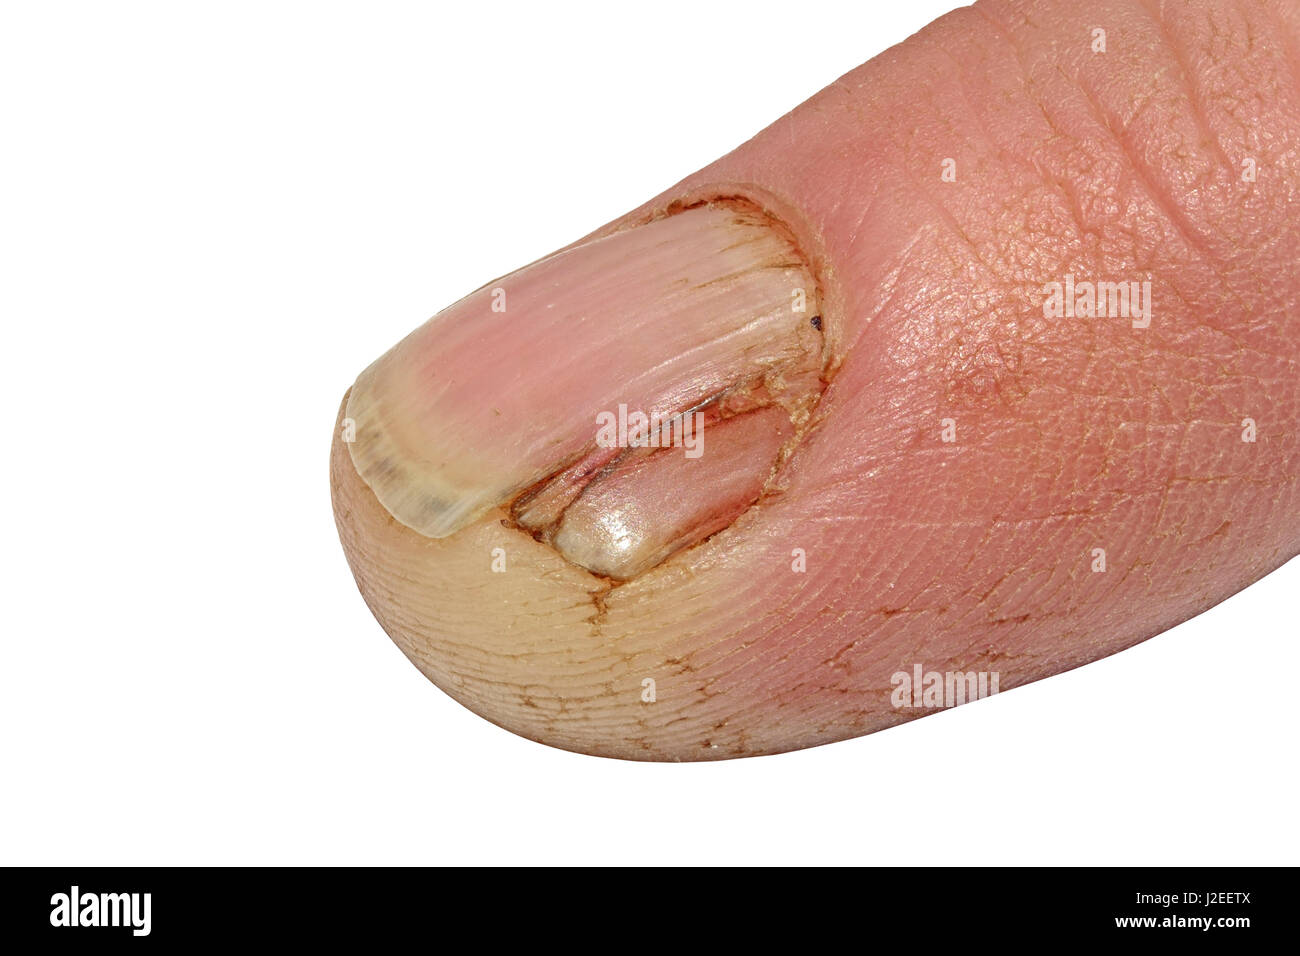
(1072, 434)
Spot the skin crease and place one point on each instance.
(1071, 434)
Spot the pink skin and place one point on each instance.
(1072, 434)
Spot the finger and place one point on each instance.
(963, 465)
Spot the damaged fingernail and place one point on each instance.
(505, 398)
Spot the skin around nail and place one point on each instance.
(978, 366)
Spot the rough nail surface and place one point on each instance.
(505, 387)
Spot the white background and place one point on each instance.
(212, 218)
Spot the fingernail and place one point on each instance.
(707, 310)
